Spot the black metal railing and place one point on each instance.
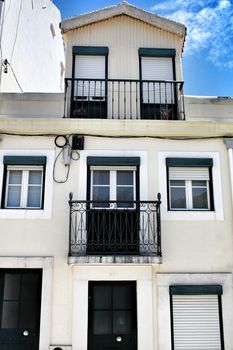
(124, 99)
(118, 228)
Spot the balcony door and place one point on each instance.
(158, 92)
(113, 219)
(112, 321)
(20, 301)
(89, 95)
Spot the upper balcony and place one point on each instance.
(124, 99)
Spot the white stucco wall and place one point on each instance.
(188, 246)
(32, 43)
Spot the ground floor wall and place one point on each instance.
(65, 300)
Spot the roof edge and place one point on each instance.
(123, 8)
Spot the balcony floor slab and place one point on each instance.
(112, 259)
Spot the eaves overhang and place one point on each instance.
(116, 128)
(127, 9)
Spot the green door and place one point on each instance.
(20, 300)
(112, 322)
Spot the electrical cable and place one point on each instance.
(54, 169)
(17, 29)
(78, 155)
(15, 77)
(2, 18)
(124, 136)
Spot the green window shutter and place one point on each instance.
(24, 160)
(189, 162)
(90, 50)
(196, 289)
(151, 52)
(113, 161)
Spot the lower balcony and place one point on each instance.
(114, 232)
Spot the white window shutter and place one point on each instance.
(157, 68)
(196, 324)
(189, 173)
(89, 67)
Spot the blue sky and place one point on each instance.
(208, 53)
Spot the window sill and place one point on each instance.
(24, 214)
(174, 215)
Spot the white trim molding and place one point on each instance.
(107, 153)
(143, 277)
(165, 280)
(44, 213)
(166, 214)
(46, 264)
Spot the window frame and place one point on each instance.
(113, 182)
(29, 157)
(197, 290)
(188, 192)
(24, 186)
(90, 51)
(113, 163)
(173, 215)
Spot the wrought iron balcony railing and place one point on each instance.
(124, 99)
(115, 229)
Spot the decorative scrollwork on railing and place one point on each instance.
(114, 228)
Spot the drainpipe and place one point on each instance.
(229, 145)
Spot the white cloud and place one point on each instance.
(209, 26)
(223, 4)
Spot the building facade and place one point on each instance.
(116, 198)
(32, 50)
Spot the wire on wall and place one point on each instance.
(65, 147)
(15, 77)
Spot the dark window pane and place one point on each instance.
(29, 286)
(177, 182)
(102, 297)
(125, 194)
(122, 297)
(14, 196)
(122, 322)
(11, 286)
(101, 177)
(15, 177)
(10, 314)
(200, 200)
(35, 177)
(178, 200)
(34, 197)
(101, 194)
(199, 183)
(27, 314)
(124, 177)
(101, 322)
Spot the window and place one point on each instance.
(89, 84)
(111, 216)
(113, 185)
(196, 317)
(23, 182)
(157, 73)
(189, 184)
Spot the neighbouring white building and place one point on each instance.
(32, 50)
(116, 198)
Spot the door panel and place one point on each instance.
(112, 323)
(20, 299)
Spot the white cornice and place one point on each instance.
(116, 128)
